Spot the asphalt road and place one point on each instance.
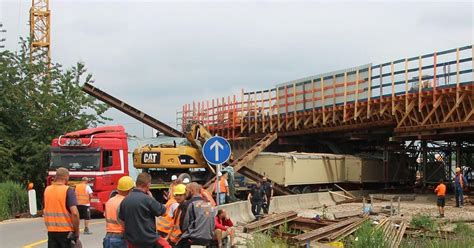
(29, 233)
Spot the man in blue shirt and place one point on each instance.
(459, 183)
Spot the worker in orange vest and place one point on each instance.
(223, 185)
(114, 227)
(207, 196)
(164, 223)
(459, 184)
(84, 194)
(60, 213)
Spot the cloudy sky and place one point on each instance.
(158, 55)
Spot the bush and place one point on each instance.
(368, 237)
(423, 221)
(13, 199)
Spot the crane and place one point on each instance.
(40, 35)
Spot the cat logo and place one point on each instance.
(150, 158)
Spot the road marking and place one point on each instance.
(46, 240)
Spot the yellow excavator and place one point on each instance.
(182, 158)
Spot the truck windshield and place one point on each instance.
(75, 160)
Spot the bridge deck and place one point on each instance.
(431, 94)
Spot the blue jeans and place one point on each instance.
(114, 242)
(222, 198)
(459, 196)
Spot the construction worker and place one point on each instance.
(440, 191)
(207, 196)
(268, 188)
(257, 197)
(459, 184)
(174, 181)
(222, 187)
(196, 220)
(60, 213)
(138, 211)
(165, 223)
(114, 236)
(84, 194)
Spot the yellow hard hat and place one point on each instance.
(179, 189)
(125, 183)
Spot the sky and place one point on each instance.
(158, 55)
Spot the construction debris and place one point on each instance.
(270, 221)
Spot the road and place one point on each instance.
(31, 233)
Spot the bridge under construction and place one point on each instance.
(422, 106)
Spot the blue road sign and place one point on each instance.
(216, 150)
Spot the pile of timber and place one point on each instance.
(310, 229)
(393, 232)
(333, 232)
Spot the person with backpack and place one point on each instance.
(197, 222)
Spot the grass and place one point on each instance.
(263, 240)
(423, 221)
(463, 237)
(13, 199)
(367, 237)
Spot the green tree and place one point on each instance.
(37, 105)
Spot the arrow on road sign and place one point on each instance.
(216, 146)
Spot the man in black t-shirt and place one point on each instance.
(257, 197)
(268, 188)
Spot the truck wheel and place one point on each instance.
(182, 176)
(296, 190)
(307, 190)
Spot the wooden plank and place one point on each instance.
(370, 91)
(345, 214)
(381, 88)
(420, 88)
(392, 78)
(345, 191)
(356, 95)
(341, 195)
(318, 233)
(345, 97)
(314, 102)
(406, 85)
(458, 78)
(278, 108)
(294, 105)
(270, 221)
(241, 111)
(323, 103)
(334, 99)
(270, 109)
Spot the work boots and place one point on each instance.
(86, 230)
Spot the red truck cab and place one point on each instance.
(101, 154)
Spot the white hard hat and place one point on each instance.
(174, 177)
(186, 180)
(219, 174)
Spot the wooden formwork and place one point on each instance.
(421, 94)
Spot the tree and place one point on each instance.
(37, 105)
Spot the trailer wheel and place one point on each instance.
(296, 190)
(307, 190)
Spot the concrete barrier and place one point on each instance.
(241, 212)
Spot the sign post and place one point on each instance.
(217, 151)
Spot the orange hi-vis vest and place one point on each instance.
(111, 218)
(222, 187)
(81, 194)
(165, 222)
(175, 232)
(56, 216)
